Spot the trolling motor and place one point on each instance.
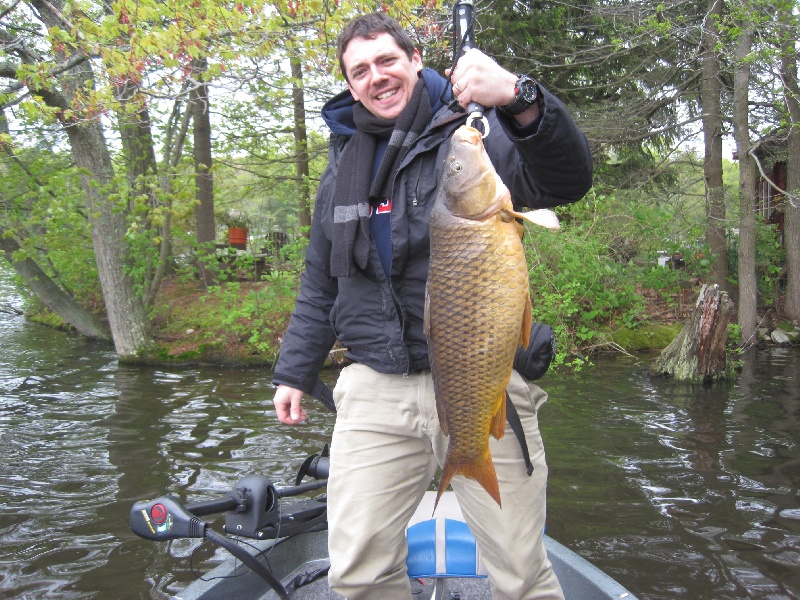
(463, 40)
(253, 510)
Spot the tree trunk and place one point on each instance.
(710, 91)
(51, 295)
(177, 126)
(698, 352)
(142, 169)
(137, 141)
(791, 223)
(204, 180)
(748, 300)
(301, 145)
(130, 326)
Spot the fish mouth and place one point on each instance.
(471, 136)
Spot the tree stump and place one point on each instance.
(698, 352)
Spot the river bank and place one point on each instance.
(240, 323)
(196, 326)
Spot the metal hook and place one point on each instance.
(477, 120)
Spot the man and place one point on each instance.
(364, 284)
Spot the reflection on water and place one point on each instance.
(676, 490)
(682, 490)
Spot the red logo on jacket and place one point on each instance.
(384, 208)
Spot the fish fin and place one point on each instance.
(447, 474)
(544, 217)
(482, 471)
(498, 425)
(527, 319)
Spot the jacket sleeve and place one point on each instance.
(544, 166)
(310, 335)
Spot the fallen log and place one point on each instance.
(698, 352)
(8, 309)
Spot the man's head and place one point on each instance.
(379, 63)
(369, 27)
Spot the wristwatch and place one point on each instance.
(527, 92)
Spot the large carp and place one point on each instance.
(477, 306)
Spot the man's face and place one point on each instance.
(380, 75)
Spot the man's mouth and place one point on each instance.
(386, 95)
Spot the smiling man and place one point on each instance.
(381, 75)
(364, 285)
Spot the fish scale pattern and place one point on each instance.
(478, 292)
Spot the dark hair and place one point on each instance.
(369, 27)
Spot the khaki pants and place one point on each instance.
(385, 449)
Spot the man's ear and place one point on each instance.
(416, 60)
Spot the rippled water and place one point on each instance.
(676, 490)
(683, 491)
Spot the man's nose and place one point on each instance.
(377, 73)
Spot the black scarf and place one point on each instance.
(353, 189)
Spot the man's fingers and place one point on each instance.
(297, 410)
(288, 407)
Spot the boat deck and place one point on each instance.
(579, 579)
(301, 564)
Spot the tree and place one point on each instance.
(23, 180)
(60, 88)
(52, 78)
(50, 293)
(789, 74)
(301, 144)
(710, 92)
(204, 178)
(747, 300)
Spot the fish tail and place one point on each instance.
(481, 471)
(447, 474)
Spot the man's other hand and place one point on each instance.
(287, 405)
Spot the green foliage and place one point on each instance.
(628, 75)
(262, 184)
(576, 285)
(660, 278)
(43, 209)
(770, 257)
(734, 335)
(234, 218)
(255, 319)
(294, 253)
(249, 316)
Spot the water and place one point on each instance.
(683, 491)
(675, 490)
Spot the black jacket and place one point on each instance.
(379, 321)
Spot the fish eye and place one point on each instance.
(455, 167)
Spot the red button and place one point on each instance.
(158, 513)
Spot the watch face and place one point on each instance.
(527, 89)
